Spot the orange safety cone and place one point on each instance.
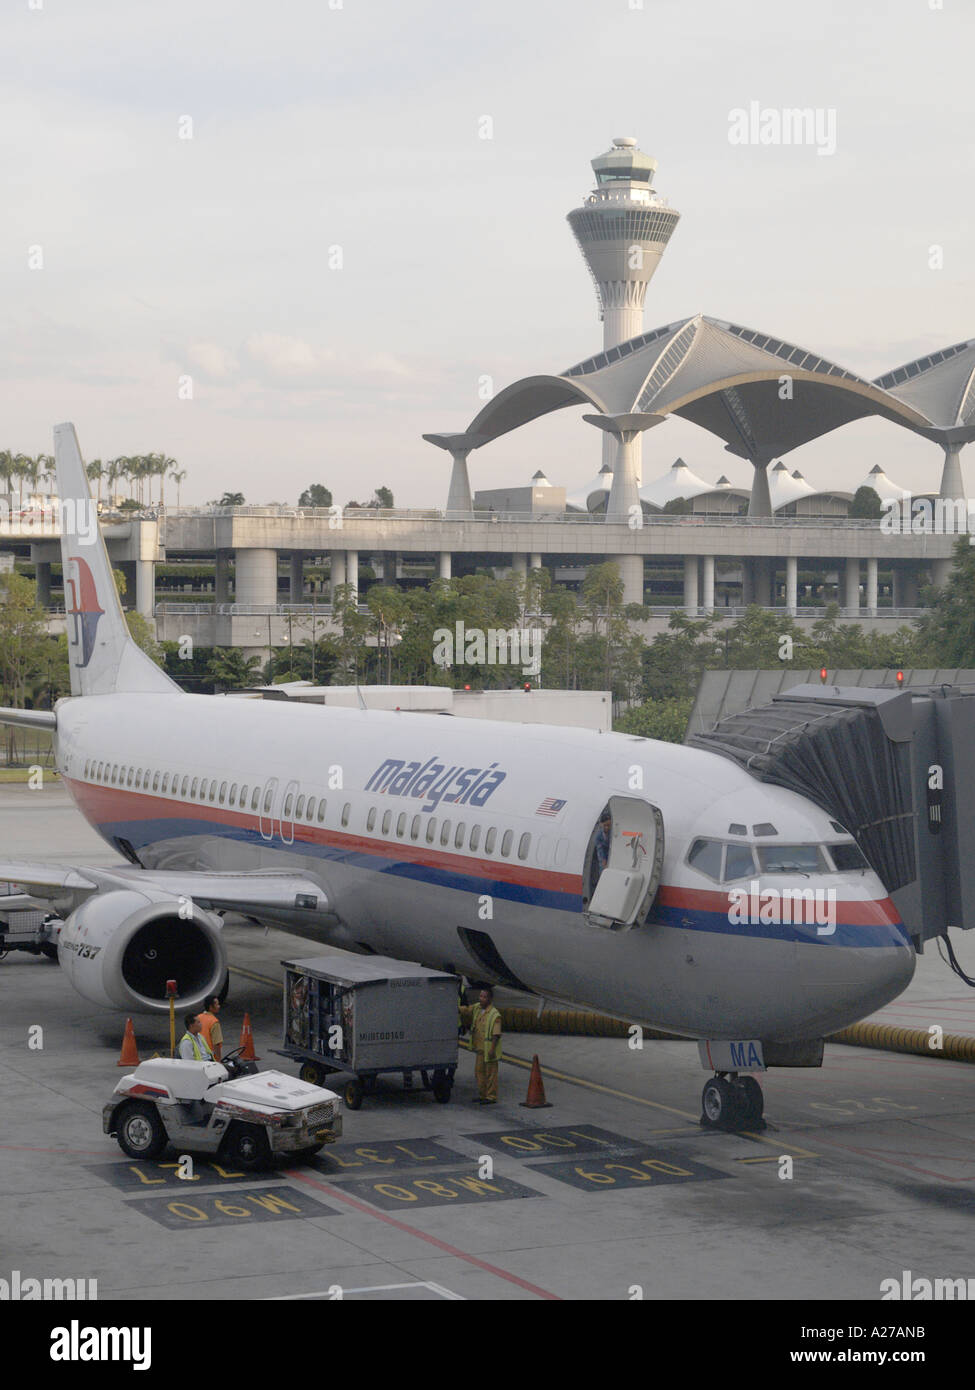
(130, 1053)
(247, 1042)
(535, 1100)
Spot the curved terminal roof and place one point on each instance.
(728, 379)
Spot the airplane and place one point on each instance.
(729, 911)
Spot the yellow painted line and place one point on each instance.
(592, 1086)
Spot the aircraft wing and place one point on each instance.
(29, 718)
(249, 893)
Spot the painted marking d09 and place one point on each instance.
(645, 1168)
(202, 1211)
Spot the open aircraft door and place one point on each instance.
(625, 890)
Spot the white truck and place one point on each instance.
(227, 1108)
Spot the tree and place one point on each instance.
(142, 635)
(383, 499)
(866, 504)
(946, 633)
(315, 496)
(389, 609)
(23, 636)
(662, 719)
(231, 669)
(678, 506)
(229, 499)
(675, 660)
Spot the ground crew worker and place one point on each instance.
(601, 847)
(486, 1044)
(193, 1047)
(210, 1026)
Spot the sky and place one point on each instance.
(272, 242)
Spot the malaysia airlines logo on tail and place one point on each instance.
(84, 610)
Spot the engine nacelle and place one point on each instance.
(118, 949)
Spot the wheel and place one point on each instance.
(720, 1104)
(352, 1095)
(441, 1088)
(140, 1131)
(50, 951)
(312, 1073)
(752, 1103)
(247, 1146)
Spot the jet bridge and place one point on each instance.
(896, 768)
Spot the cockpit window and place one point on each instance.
(847, 857)
(765, 828)
(784, 859)
(705, 856)
(738, 862)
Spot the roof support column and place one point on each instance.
(631, 573)
(337, 573)
(460, 506)
(352, 571)
(952, 483)
(221, 577)
(446, 560)
(760, 501)
(296, 589)
(623, 503)
(791, 584)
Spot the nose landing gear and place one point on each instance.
(733, 1103)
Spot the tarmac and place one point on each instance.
(866, 1169)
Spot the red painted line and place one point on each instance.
(422, 1235)
(860, 912)
(896, 1163)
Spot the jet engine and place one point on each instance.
(119, 948)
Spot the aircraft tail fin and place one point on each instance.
(102, 656)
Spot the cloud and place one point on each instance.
(212, 360)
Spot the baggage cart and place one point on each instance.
(366, 1016)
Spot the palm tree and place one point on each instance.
(166, 465)
(230, 668)
(179, 477)
(7, 468)
(97, 471)
(47, 469)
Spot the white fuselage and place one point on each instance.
(379, 809)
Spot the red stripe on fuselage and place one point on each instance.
(99, 804)
(852, 913)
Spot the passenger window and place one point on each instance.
(155, 781)
(128, 776)
(346, 812)
(255, 798)
(523, 845)
(506, 839)
(203, 789)
(138, 777)
(475, 836)
(445, 833)
(299, 808)
(415, 828)
(165, 783)
(223, 793)
(321, 811)
(182, 790)
(738, 862)
(310, 810)
(431, 830)
(401, 825)
(387, 821)
(213, 790)
(459, 835)
(268, 798)
(289, 801)
(242, 797)
(489, 840)
(371, 818)
(114, 774)
(705, 856)
(101, 769)
(233, 794)
(87, 765)
(193, 786)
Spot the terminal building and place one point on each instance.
(679, 539)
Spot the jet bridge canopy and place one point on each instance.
(892, 767)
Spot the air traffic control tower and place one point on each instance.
(622, 229)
